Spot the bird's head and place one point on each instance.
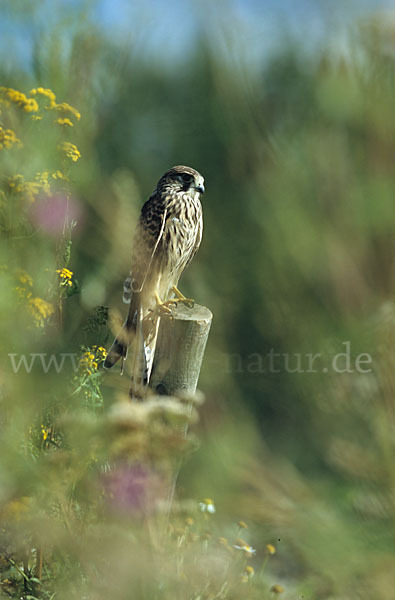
(182, 179)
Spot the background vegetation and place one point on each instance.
(298, 256)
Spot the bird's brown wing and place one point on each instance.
(148, 234)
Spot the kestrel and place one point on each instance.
(167, 236)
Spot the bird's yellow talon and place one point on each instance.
(189, 302)
(162, 308)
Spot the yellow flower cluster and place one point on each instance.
(65, 277)
(59, 175)
(88, 362)
(41, 310)
(100, 352)
(9, 96)
(44, 432)
(62, 107)
(65, 121)
(25, 278)
(30, 189)
(25, 283)
(45, 92)
(40, 184)
(8, 138)
(42, 179)
(70, 150)
(91, 359)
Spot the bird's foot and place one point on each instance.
(163, 308)
(189, 302)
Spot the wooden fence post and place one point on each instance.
(180, 346)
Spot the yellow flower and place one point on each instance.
(66, 108)
(100, 351)
(40, 310)
(31, 189)
(87, 362)
(270, 549)
(24, 290)
(44, 432)
(42, 179)
(65, 277)
(242, 525)
(248, 574)
(59, 175)
(92, 358)
(62, 107)
(43, 176)
(30, 105)
(277, 589)
(25, 278)
(46, 92)
(12, 96)
(8, 138)
(16, 183)
(66, 272)
(64, 121)
(70, 150)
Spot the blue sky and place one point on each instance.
(168, 26)
(165, 29)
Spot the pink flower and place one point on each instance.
(49, 213)
(133, 489)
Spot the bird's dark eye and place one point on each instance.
(186, 178)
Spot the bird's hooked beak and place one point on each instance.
(200, 188)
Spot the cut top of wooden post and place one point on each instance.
(180, 346)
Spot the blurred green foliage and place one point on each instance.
(297, 256)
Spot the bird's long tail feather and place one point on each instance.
(127, 336)
(139, 368)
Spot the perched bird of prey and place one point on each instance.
(167, 236)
